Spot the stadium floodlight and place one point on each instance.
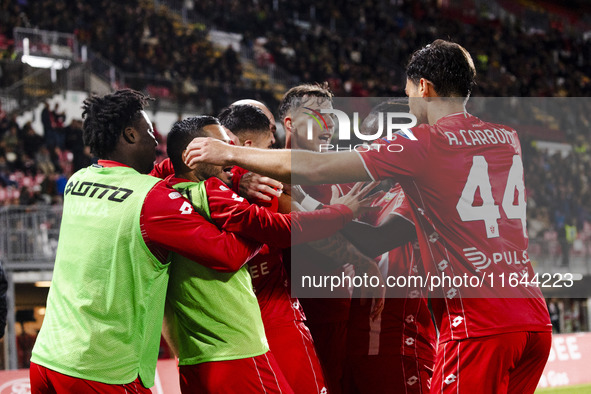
(42, 61)
(45, 62)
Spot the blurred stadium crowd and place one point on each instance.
(360, 49)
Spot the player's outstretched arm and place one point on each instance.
(373, 241)
(236, 215)
(289, 166)
(338, 248)
(318, 224)
(172, 224)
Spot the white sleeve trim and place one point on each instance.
(310, 204)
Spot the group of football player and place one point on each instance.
(211, 242)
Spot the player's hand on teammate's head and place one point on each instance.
(207, 150)
(254, 186)
(356, 199)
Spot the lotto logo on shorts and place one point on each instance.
(412, 380)
(457, 321)
(450, 379)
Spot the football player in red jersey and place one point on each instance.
(209, 357)
(396, 350)
(326, 317)
(253, 186)
(464, 179)
(283, 317)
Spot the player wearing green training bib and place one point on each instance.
(105, 307)
(213, 319)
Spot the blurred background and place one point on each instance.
(196, 57)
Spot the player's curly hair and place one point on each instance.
(447, 65)
(105, 118)
(292, 100)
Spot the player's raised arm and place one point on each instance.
(373, 241)
(290, 166)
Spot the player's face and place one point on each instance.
(416, 102)
(146, 143)
(272, 125)
(206, 171)
(321, 133)
(262, 140)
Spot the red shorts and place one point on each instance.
(294, 351)
(387, 374)
(259, 374)
(503, 363)
(46, 381)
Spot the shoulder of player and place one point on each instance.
(162, 188)
(238, 171)
(163, 199)
(216, 186)
(219, 194)
(423, 134)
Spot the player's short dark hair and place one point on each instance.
(244, 118)
(292, 100)
(394, 104)
(105, 118)
(182, 133)
(447, 65)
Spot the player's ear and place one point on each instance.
(423, 87)
(248, 143)
(426, 88)
(288, 124)
(129, 134)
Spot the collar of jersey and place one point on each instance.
(465, 113)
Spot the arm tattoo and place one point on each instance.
(338, 248)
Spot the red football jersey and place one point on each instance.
(404, 327)
(272, 287)
(269, 275)
(235, 214)
(312, 262)
(464, 180)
